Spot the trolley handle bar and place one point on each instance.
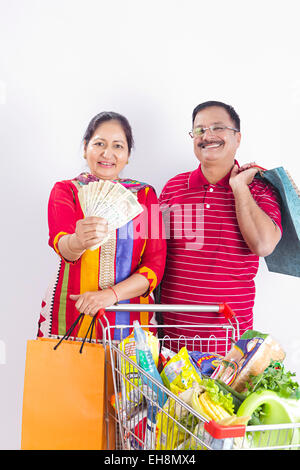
(224, 308)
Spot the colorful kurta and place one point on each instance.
(137, 247)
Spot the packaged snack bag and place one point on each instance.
(168, 435)
(164, 357)
(206, 362)
(180, 373)
(131, 384)
(153, 393)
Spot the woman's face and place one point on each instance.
(107, 151)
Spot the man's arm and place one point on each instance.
(259, 231)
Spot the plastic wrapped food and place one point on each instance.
(250, 355)
(206, 362)
(131, 383)
(180, 373)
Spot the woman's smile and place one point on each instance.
(106, 164)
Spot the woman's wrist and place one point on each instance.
(114, 294)
(74, 244)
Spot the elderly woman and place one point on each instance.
(124, 269)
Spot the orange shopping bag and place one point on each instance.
(63, 401)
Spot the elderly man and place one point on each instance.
(233, 217)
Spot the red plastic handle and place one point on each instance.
(100, 313)
(98, 316)
(221, 432)
(227, 311)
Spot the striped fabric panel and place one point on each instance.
(63, 301)
(89, 277)
(123, 271)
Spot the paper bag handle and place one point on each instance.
(98, 315)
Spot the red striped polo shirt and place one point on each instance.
(208, 261)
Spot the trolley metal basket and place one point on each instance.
(148, 416)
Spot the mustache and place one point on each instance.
(204, 143)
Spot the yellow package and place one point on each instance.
(169, 433)
(131, 383)
(180, 374)
(174, 421)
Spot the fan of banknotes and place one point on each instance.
(111, 201)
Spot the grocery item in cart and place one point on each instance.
(209, 401)
(249, 356)
(131, 381)
(172, 421)
(206, 362)
(153, 393)
(180, 372)
(272, 409)
(165, 356)
(146, 361)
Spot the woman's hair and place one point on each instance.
(109, 116)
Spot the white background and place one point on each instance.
(64, 61)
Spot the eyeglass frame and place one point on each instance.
(204, 129)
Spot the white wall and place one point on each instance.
(64, 61)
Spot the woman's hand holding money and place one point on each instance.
(90, 231)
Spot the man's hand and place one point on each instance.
(259, 231)
(90, 303)
(243, 176)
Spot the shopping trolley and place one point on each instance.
(148, 416)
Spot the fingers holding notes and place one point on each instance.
(91, 231)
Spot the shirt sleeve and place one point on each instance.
(268, 199)
(153, 256)
(61, 214)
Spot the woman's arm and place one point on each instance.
(90, 302)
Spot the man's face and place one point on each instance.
(215, 147)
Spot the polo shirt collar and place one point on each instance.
(197, 179)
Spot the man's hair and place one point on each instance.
(230, 110)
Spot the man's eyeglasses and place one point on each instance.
(214, 129)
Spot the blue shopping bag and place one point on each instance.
(285, 259)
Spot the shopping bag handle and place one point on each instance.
(70, 330)
(90, 329)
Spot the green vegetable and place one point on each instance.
(249, 334)
(237, 398)
(273, 409)
(217, 396)
(277, 379)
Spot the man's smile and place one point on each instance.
(210, 145)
